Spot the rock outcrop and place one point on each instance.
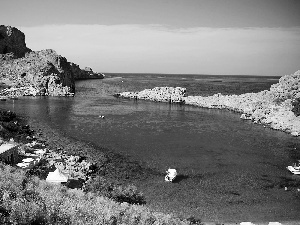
(86, 73)
(272, 108)
(12, 41)
(27, 72)
(158, 94)
(38, 73)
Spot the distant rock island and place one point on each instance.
(27, 72)
(277, 108)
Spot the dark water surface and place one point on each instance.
(230, 165)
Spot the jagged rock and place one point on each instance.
(86, 73)
(12, 41)
(45, 72)
(88, 69)
(287, 87)
(159, 94)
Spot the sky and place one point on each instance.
(243, 37)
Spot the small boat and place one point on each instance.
(171, 175)
(23, 165)
(28, 160)
(295, 169)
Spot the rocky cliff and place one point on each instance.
(27, 72)
(38, 73)
(12, 41)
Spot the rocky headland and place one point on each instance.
(26, 72)
(158, 94)
(276, 108)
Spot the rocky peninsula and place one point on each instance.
(276, 108)
(26, 72)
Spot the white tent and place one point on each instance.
(57, 177)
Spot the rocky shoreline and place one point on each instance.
(158, 94)
(274, 108)
(88, 196)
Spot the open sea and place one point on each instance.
(232, 167)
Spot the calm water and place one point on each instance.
(193, 140)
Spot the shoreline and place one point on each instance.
(117, 167)
(148, 177)
(109, 161)
(93, 152)
(275, 108)
(56, 139)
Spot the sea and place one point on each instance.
(233, 168)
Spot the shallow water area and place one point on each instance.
(229, 169)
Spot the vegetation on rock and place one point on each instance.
(296, 106)
(13, 127)
(110, 189)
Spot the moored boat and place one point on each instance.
(171, 175)
(295, 169)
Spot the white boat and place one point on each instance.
(28, 160)
(23, 165)
(294, 169)
(171, 175)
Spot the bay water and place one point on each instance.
(236, 158)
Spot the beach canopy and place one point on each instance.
(57, 177)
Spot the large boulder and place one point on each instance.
(12, 40)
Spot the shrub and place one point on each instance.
(13, 127)
(7, 116)
(100, 185)
(128, 194)
(38, 202)
(10, 126)
(296, 106)
(194, 221)
(119, 193)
